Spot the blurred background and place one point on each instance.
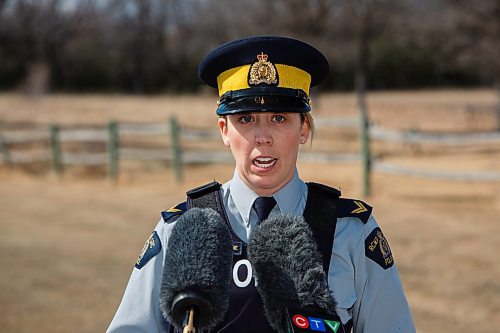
(155, 45)
(104, 124)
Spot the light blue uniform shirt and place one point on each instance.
(238, 201)
(365, 293)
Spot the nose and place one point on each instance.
(263, 135)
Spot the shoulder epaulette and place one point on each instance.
(324, 188)
(207, 196)
(168, 214)
(202, 190)
(354, 208)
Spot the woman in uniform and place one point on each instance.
(263, 108)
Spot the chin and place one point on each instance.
(258, 182)
(264, 183)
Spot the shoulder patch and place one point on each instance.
(377, 249)
(151, 248)
(354, 208)
(168, 214)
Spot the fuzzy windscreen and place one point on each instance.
(198, 259)
(288, 268)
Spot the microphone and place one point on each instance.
(194, 292)
(290, 276)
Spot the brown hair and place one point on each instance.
(307, 117)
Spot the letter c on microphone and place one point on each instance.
(300, 321)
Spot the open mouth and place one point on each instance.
(264, 162)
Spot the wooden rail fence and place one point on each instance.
(51, 140)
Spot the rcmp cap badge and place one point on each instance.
(262, 71)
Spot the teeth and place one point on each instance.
(265, 162)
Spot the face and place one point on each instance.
(265, 147)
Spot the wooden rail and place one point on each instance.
(49, 146)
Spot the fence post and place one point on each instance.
(112, 147)
(497, 106)
(5, 151)
(414, 143)
(175, 149)
(55, 147)
(366, 156)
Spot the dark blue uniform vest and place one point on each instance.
(246, 313)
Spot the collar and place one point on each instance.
(287, 198)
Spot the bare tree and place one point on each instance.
(148, 45)
(42, 28)
(357, 25)
(2, 5)
(476, 42)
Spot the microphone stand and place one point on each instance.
(189, 326)
(194, 307)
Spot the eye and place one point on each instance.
(245, 119)
(279, 118)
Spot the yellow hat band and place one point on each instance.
(288, 77)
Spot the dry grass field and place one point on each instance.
(68, 244)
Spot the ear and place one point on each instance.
(223, 131)
(305, 131)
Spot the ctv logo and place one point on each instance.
(315, 324)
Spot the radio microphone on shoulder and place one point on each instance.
(290, 276)
(196, 278)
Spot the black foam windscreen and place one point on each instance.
(288, 268)
(197, 269)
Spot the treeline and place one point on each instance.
(147, 46)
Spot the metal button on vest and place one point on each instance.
(263, 206)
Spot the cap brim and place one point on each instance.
(263, 104)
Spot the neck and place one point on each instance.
(265, 191)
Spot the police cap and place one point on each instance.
(263, 73)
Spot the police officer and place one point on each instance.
(263, 110)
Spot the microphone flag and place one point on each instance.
(308, 321)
